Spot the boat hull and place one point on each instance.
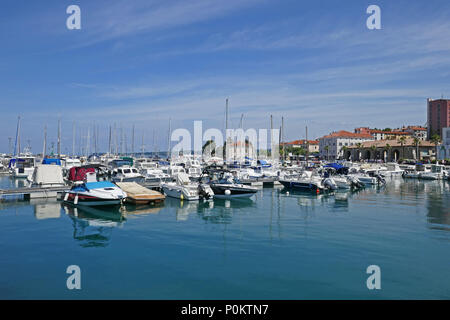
(229, 192)
(298, 185)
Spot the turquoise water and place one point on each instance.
(274, 246)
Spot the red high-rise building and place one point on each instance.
(438, 116)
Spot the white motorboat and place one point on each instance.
(101, 193)
(184, 189)
(22, 167)
(309, 181)
(68, 163)
(47, 176)
(126, 174)
(392, 170)
(415, 171)
(228, 187)
(437, 172)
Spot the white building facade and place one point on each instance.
(333, 146)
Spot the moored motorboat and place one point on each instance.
(228, 187)
(183, 188)
(101, 193)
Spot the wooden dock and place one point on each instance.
(138, 194)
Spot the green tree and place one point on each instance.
(388, 148)
(211, 145)
(359, 146)
(402, 140)
(373, 148)
(416, 144)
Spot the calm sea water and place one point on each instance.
(274, 246)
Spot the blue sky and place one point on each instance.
(140, 62)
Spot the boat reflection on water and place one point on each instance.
(93, 226)
(130, 209)
(217, 211)
(46, 209)
(224, 210)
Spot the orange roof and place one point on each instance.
(301, 142)
(401, 133)
(347, 134)
(417, 128)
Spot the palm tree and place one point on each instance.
(344, 150)
(402, 140)
(436, 139)
(327, 148)
(417, 143)
(359, 145)
(373, 148)
(388, 150)
(209, 146)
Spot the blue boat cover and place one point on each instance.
(94, 185)
(51, 161)
(336, 166)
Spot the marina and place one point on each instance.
(219, 153)
(288, 245)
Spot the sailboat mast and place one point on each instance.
(142, 147)
(168, 139)
(132, 142)
(307, 147)
(282, 138)
(109, 140)
(44, 149)
(87, 141)
(17, 144)
(59, 138)
(73, 139)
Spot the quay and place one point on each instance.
(34, 193)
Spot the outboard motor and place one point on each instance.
(380, 179)
(355, 183)
(205, 192)
(329, 184)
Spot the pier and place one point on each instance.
(33, 193)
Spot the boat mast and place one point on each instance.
(132, 142)
(44, 149)
(59, 138)
(95, 139)
(87, 141)
(109, 141)
(271, 136)
(282, 139)
(17, 144)
(307, 147)
(168, 139)
(73, 139)
(142, 147)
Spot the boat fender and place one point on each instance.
(182, 197)
(76, 199)
(66, 196)
(227, 192)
